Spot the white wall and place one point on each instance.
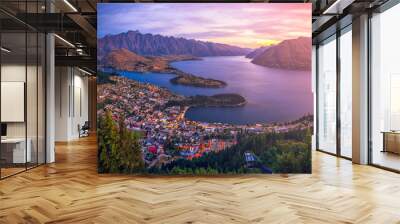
(80, 112)
(62, 81)
(71, 102)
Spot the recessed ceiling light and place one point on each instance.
(337, 7)
(70, 5)
(64, 40)
(86, 72)
(5, 50)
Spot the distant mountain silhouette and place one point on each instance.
(157, 45)
(289, 54)
(257, 51)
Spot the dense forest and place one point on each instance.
(288, 152)
(119, 148)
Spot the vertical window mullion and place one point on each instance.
(26, 86)
(338, 80)
(0, 92)
(369, 90)
(317, 97)
(37, 89)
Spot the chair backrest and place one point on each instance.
(86, 125)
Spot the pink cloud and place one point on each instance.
(243, 24)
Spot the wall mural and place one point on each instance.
(204, 89)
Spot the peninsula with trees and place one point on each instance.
(125, 60)
(217, 100)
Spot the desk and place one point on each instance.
(13, 150)
(391, 141)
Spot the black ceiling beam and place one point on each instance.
(325, 25)
(8, 24)
(79, 61)
(86, 26)
(10, 19)
(91, 5)
(87, 51)
(54, 23)
(49, 22)
(332, 29)
(205, 1)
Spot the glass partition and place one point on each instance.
(13, 94)
(346, 93)
(22, 88)
(327, 95)
(385, 89)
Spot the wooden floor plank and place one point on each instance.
(71, 191)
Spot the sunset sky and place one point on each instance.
(246, 24)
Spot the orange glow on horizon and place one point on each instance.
(269, 42)
(244, 42)
(243, 24)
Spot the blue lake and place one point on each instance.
(272, 94)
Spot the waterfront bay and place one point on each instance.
(273, 95)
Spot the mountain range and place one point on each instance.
(289, 54)
(133, 51)
(257, 51)
(158, 45)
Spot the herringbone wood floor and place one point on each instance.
(71, 191)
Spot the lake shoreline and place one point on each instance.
(162, 65)
(272, 95)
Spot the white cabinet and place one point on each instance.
(19, 155)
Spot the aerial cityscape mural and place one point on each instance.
(204, 89)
